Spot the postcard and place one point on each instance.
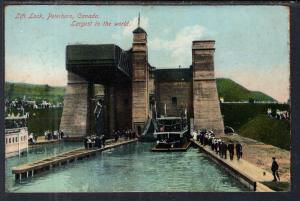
(147, 98)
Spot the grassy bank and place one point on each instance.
(267, 130)
(236, 115)
(251, 120)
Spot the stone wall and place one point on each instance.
(140, 78)
(123, 107)
(206, 105)
(76, 111)
(181, 91)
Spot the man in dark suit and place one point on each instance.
(274, 169)
(238, 148)
(231, 150)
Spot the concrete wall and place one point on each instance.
(165, 91)
(123, 107)
(110, 109)
(206, 106)
(151, 83)
(76, 111)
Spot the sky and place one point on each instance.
(252, 42)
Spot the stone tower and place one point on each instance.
(75, 118)
(206, 105)
(140, 77)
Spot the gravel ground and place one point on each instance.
(261, 155)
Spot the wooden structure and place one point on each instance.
(30, 169)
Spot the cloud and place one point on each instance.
(123, 37)
(180, 46)
(133, 23)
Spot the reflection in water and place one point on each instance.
(128, 168)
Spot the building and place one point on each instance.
(133, 91)
(16, 135)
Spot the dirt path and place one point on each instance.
(261, 155)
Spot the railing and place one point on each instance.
(14, 130)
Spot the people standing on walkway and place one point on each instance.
(98, 142)
(225, 147)
(103, 140)
(201, 138)
(274, 169)
(213, 143)
(205, 141)
(231, 150)
(223, 150)
(62, 134)
(239, 150)
(116, 135)
(85, 140)
(217, 148)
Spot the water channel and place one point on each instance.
(129, 168)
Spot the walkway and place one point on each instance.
(260, 155)
(30, 169)
(41, 140)
(243, 167)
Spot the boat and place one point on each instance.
(16, 135)
(171, 134)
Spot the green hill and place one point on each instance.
(33, 91)
(232, 91)
(227, 88)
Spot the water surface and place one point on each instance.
(129, 168)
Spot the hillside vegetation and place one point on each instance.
(232, 91)
(42, 119)
(249, 120)
(236, 115)
(267, 130)
(227, 88)
(33, 92)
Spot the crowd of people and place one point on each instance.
(207, 138)
(49, 135)
(125, 133)
(278, 114)
(54, 135)
(94, 142)
(23, 104)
